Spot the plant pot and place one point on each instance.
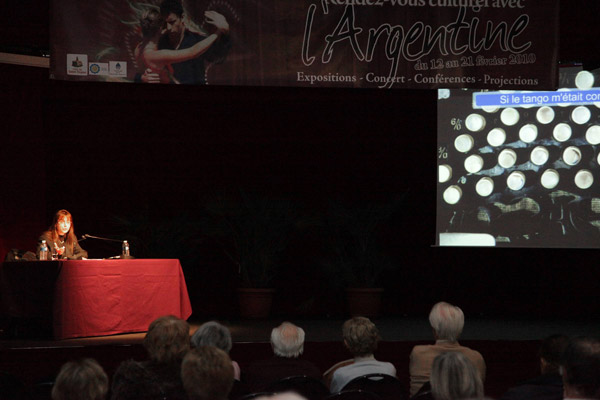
(365, 302)
(255, 303)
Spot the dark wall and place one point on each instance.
(137, 151)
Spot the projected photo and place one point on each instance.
(518, 168)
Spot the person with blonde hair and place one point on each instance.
(83, 379)
(454, 377)
(360, 338)
(447, 322)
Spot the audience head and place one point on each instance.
(132, 381)
(447, 321)
(581, 368)
(287, 340)
(168, 339)
(83, 380)
(551, 351)
(207, 374)
(213, 334)
(360, 336)
(454, 377)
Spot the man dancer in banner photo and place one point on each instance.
(177, 36)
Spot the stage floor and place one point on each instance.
(329, 330)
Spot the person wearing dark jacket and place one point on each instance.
(548, 385)
(60, 238)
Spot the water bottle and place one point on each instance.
(125, 252)
(44, 251)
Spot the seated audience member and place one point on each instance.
(454, 377)
(132, 381)
(581, 369)
(447, 322)
(287, 341)
(84, 379)
(360, 338)
(547, 386)
(214, 334)
(207, 374)
(167, 341)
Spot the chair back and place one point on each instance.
(307, 386)
(424, 393)
(251, 396)
(386, 386)
(353, 395)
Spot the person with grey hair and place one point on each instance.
(447, 322)
(287, 342)
(454, 377)
(214, 334)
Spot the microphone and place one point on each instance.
(122, 256)
(88, 236)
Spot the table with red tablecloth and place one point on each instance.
(96, 297)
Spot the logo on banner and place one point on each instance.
(77, 64)
(117, 68)
(98, 69)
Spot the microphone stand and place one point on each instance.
(123, 257)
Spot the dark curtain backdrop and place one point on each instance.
(101, 150)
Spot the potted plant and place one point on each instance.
(253, 231)
(357, 261)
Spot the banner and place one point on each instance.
(506, 44)
(520, 168)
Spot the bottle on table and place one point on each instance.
(125, 252)
(44, 251)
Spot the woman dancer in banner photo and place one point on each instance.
(60, 238)
(149, 57)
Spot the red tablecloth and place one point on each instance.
(95, 297)
(105, 297)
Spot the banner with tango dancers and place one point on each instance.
(500, 44)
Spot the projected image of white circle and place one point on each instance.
(507, 158)
(545, 115)
(528, 133)
(516, 180)
(475, 122)
(539, 155)
(464, 143)
(473, 164)
(581, 115)
(562, 132)
(444, 173)
(484, 187)
(584, 80)
(571, 155)
(509, 116)
(584, 179)
(550, 179)
(452, 194)
(496, 137)
(592, 134)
